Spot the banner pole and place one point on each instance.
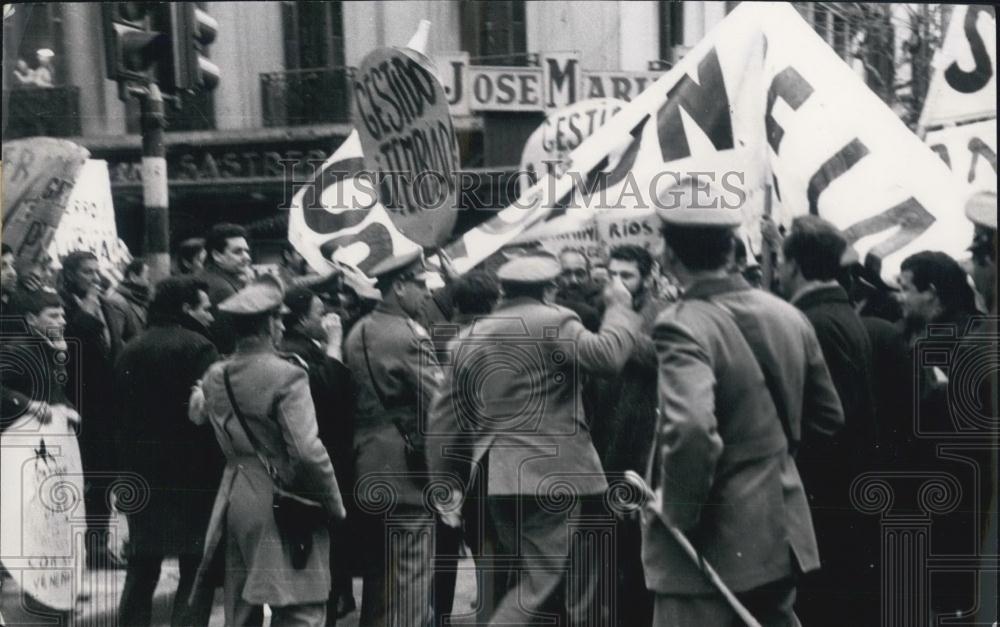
(767, 252)
(155, 196)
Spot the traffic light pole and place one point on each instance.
(155, 197)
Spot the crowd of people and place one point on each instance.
(299, 430)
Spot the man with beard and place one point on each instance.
(180, 461)
(624, 420)
(87, 315)
(315, 337)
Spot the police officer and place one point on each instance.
(279, 446)
(396, 373)
(513, 388)
(741, 375)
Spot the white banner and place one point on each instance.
(761, 100)
(88, 223)
(970, 151)
(964, 84)
(338, 216)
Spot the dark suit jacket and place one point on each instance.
(333, 395)
(740, 371)
(181, 461)
(513, 387)
(91, 372)
(848, 353)
(220, 287)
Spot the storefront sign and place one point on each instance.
(558, 81)
(227, 163)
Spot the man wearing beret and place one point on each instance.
(739, 370)
(395, 373)
(513, 388)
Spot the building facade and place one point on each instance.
(284, 102)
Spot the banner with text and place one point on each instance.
(88, 223)
(761, 100)
(970, 150)
(964, 84)
(39, 174)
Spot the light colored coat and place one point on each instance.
(740, 374)
(513, 385)
(273, 394)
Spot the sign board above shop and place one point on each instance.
(557, 81)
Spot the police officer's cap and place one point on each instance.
(696, 202)
(411, 262)
(262, 296)
(529, 269)
(981, 209)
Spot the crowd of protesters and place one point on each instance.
(395, 428)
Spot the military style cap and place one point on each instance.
(261, 296)
(530, 269)
(696, 202)
(981, 209)
(398, 262)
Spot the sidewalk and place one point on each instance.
(101, 590)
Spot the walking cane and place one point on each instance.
(702, 564)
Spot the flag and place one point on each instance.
(761, 101)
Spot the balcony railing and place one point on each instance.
(312, 96)
(50, 111)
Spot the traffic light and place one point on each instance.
(133, 41)
(191, 32)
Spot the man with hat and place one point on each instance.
(395, 374)
(264, 419)
(514, 389)
(739, 370)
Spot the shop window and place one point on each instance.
(494, 33)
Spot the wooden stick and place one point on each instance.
(702, 564)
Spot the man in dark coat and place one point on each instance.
(741, 376)
(315, 338)
(624, 423)
(127, 305)
(179, 461)
(846, 589)
(226, 271)
(92, 392)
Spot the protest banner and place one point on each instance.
(408, 141)
(970, 150)
(560, 133)
(38, 175)
(964, 84)
(42, 513)
(761, 101)
(338, 216)
(88, 222)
